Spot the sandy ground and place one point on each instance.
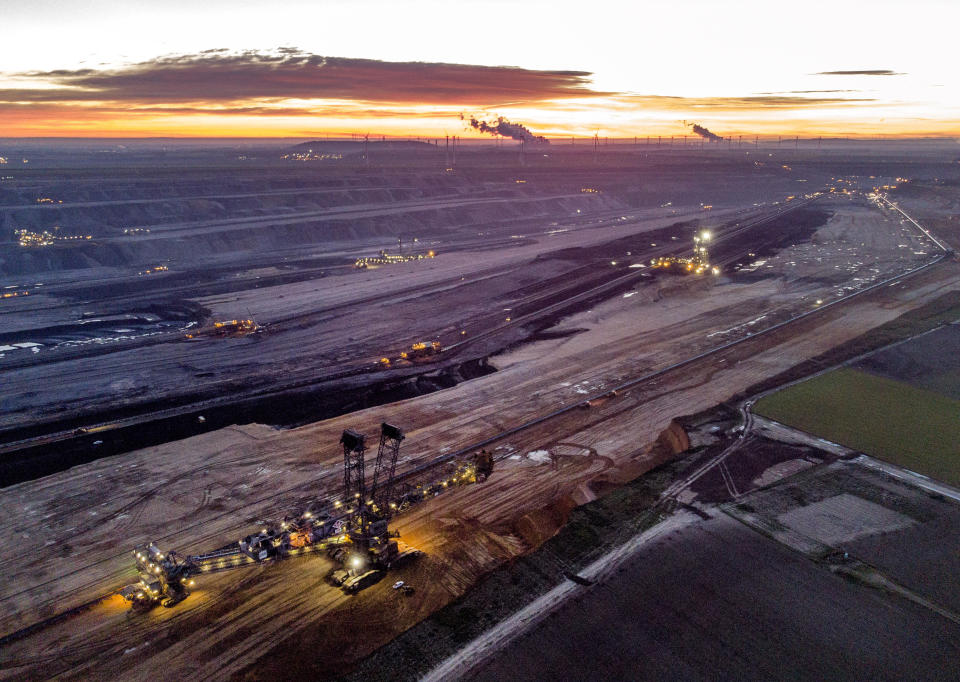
(205, 491)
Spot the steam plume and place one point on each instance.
(504, 128)
(704, 133)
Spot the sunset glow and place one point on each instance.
(623, 71)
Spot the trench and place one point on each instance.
(286, 409)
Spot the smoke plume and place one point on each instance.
(704, 133)
(504, 128)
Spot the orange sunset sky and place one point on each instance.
(308, 69)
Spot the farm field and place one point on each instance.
(908, 426)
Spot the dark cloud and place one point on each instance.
(216, 75)
(806, 92)
(864, 72)
(77, 110)
(746, 102)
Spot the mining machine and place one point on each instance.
(482, 465)
(372, 547)
(165, 578)
(422, 350)
(354, 530)
(697, 264)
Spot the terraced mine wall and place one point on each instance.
(283, 410)
(217, 228)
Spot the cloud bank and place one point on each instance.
(864, 72)
(220, 76)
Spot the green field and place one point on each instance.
(891, 420)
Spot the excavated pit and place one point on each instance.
(286, 409)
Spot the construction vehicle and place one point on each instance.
(225, 328)
(354, 584)
(266, 544)
(697, 264)
(483, 465)
(403, 588)
(165, 578)
(384, 258)
(421, 350)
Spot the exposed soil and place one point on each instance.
(68, 537)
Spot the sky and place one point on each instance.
(304, 69)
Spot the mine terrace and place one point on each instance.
(255, 405)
